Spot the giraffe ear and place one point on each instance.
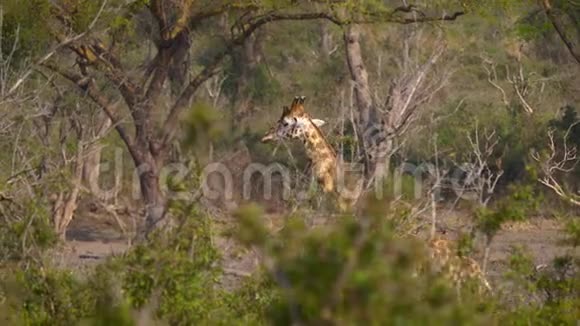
(318, 122)
(285, 110)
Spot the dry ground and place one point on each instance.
(90, 240)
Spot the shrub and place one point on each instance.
(355, 272)
(548, 294)
(44, 296)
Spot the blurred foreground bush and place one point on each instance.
(355, 271)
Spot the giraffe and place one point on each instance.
(327, 167)
(295, 123)
(458, 269)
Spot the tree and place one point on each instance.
(380, 123)
(101, 38)
(558, 14)
(149, 145)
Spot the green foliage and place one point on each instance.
(354, 272)
(203, 125)
(26, 230)
(520, 201)
(567, 125)
(24, 28)
(531, 30)
(82, 12)
(253, 299)
(177, 270)
(517, 135)
(550, 293)
(174, 276)
(46, 296)
(573, 232)
(108, 306)
(256, 83)
(263, 88)
(358, 270)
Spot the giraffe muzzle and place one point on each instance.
(267, 138)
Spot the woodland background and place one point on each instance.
(484, 92)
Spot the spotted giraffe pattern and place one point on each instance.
(295, 123)
(458, 269)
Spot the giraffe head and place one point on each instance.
(293, 123)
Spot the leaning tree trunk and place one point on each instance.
(559, 25)
(180, 65)
(248, 60)
(65, 204)
(153, 198)
(368, 122)
(92, 164)
(325, 39)
(409, 91)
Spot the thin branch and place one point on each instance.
(62, 44)
(492, 79)
(87, 85)
(170, 124)
(551, 166)
(560, 29)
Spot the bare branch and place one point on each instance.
(551, 165)
(520, 85)
(87, 85)
(481, 179)
(492, 79)
(249, 27)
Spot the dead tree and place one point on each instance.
(556, 162)
(65, 201)
(480, 178)
(381, 120)
(480, 175)
(519, 86)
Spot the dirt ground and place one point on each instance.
(90, 241)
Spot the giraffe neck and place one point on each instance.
(323, 157)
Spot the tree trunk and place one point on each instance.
(248, 60)
(558, 23)
(92, 164)
(325, 40)
(65, 205)
(367, 120)
(358, 74)
(153, 199)
(180, 65)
